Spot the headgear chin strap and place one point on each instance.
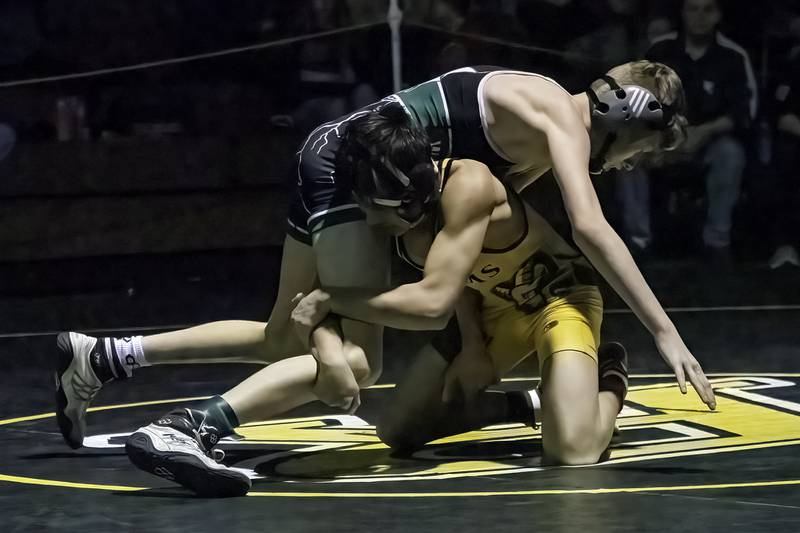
(382, 183)
(629, 107)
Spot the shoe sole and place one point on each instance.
(64, 359)
(185, 470)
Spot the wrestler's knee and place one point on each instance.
(279, 343)
(396, 434)
(572, 447)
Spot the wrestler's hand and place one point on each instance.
(469, 374)
(308, 312)
(683, 363)
(336, 385)
(696, 138)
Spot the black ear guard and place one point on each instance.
(377, 181)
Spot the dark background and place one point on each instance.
(163, 206)
(165, 188)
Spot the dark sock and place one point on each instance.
(211, 420)
(220, 414)
(99, 361)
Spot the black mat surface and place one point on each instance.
(678, 467)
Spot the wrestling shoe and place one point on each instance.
(76, 384)
(613, 374)
(612, 361)
(524, 405)
(180, 447)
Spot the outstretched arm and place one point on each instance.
(568, 144)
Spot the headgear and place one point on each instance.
(628, 107)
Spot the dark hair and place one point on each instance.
(386, 134)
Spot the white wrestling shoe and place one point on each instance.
(76, 385)
(176, 448)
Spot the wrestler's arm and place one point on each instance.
(569, 147)
(472, 370)
(468, 313)
(699, 135)
(335, 383)
(428, 303)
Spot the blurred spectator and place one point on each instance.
(492, 18)
(418, 43)
(447, 14)
(784, 192)
(657, 28)
(551, 23)
(327, 82)
(367, 11)
(617, 38)
(721, 95)
(20, 36)
(8, 139)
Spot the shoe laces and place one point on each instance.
(214, 453)
(205, 430)
(195, 441)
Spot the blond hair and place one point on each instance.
(663, 82)
(658, 78)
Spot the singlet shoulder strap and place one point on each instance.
(448, 168)
(445, 167)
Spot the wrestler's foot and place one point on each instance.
(179, 447)
(525, 406)
(76, 383)
(613, 369)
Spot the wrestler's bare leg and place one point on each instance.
(577, 418)
(244, 341)
(417, 415)
(347, 255)
(219, 342)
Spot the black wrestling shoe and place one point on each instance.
(521, 405)
(613, 374)
(612, 360)
(180, 447)
(76, 384)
